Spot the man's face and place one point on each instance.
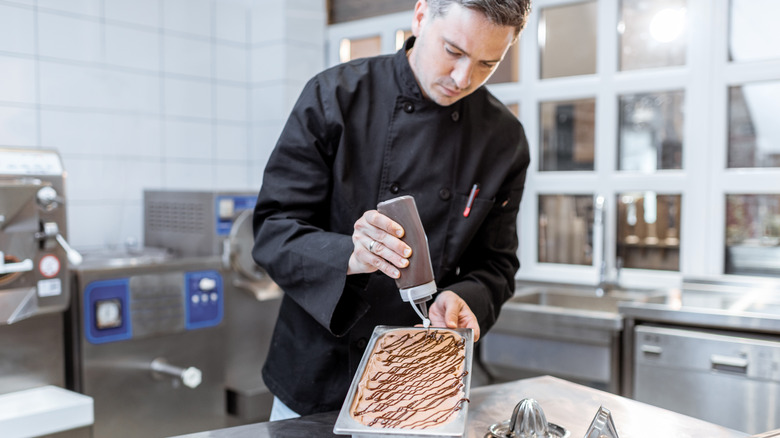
(455, 53)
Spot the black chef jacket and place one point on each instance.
(361, 133)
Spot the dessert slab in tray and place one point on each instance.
(454, 427)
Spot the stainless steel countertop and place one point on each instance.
(752, 309)
(567, 404)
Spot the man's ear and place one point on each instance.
(420, 11)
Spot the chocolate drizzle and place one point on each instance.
(414, 379)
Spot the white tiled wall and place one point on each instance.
(134, 94)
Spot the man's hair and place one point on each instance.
(501, 12)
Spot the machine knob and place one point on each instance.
(191, 377)
(48, 198)
(207, 284)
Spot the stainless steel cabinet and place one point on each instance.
(727, 378)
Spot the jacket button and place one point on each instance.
(445, 194)
(361, 343)
(408, 107)
(455, 116)
(395, 188)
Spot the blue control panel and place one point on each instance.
(152, 305)
(205, 299)
(227, 209)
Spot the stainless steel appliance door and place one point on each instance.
(131, 400)
(726, 378)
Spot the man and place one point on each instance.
(415, 123)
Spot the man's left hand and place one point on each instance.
(449, 310)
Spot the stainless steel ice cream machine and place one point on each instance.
(192, 223)
(169, 337)
(34, 294)
(147, 342)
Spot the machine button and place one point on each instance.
(204, 298)
(195, 298)
(207, 284)
(214, 296)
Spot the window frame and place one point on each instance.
(703, 182)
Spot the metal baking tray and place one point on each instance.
(456, 428)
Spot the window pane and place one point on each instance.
(753, 234)
(648, 230)
(401, 35)
(754, 33)
(350, 49)
(652, 33)
(567, 40)
(754, 134)
(650, 132)
(509, 69)
(567, 134)
(566, 229)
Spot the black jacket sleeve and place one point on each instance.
(292, 238)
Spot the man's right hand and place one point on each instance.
(378, 246)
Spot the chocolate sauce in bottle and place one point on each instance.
(416, 283)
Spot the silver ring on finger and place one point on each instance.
(371, 246)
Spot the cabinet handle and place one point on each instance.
(652, 350)
(729, 364)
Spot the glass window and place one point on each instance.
(648, 231)
(753, 30)
(650, 131)
(652, 33)
(567, 40)
(355, 48)
(567, 134)
(566, 229)
(401, 35)
(509, 68)
(753, 234)
(754, 134)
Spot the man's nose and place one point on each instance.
(461, 74)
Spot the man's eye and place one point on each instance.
(450, 52)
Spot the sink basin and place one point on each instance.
(579, 298)
(567, 331)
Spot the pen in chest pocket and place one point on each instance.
(470, 201)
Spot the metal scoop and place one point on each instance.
(528, 421)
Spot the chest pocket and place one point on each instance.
(464, 229)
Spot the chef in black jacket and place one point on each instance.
(418, 123)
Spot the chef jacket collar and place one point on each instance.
(403, 70)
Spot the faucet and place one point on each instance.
(599, 223)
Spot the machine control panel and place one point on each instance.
(228, 207)
(204, 299)
(146, 305)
